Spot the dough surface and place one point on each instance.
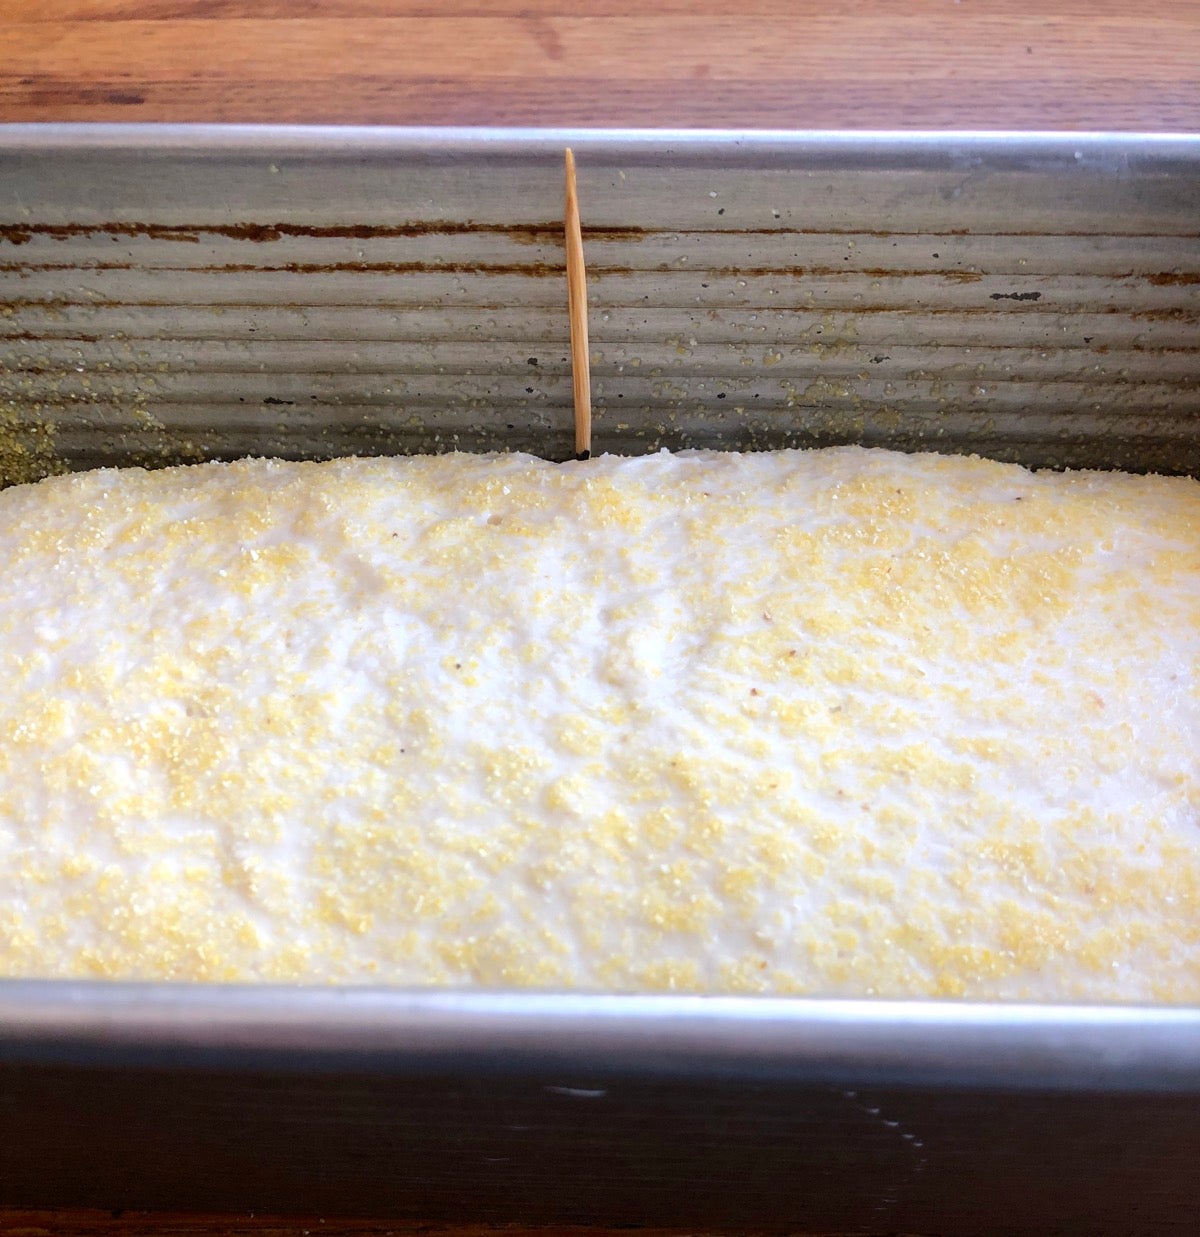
(834, 722)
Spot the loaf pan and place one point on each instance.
(170, 294)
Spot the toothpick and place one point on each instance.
(577, 308)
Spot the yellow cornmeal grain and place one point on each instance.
(840, 722)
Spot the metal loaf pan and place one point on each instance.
(171, 294)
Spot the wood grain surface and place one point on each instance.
(1067, 64)
(81, 1223)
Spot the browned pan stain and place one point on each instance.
(525, 233)
(533, 269)
(531, 233)
(24, 268)
(1156, 315)
(34, 337)
(597, 270)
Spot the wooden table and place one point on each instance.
(1067, 64)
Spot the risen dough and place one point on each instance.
(843, 722)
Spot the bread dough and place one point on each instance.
(834, 722)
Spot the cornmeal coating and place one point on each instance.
(833, 722)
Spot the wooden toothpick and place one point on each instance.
(577, 308)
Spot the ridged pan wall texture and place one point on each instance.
(166, 301)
